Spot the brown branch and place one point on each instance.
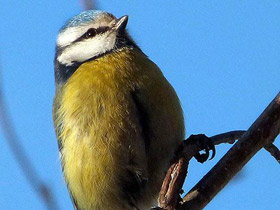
(24, 163)
(264, 131)
(274, 151)
(169, 196)
(228, 137)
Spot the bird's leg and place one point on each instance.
(169, 197)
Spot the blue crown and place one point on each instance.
(82, 18)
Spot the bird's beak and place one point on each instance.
(121, 24)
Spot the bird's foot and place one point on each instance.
(205, 144)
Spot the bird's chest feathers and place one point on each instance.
(97, 91)
(95, 114)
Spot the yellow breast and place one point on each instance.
(101, 132)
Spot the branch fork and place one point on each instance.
(261, 134)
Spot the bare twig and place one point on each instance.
(88, 4)
(169, 196)
(274, 151)
(25, 164)
(228, 137)
(264, 131)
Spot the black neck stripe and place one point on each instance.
(63, 72)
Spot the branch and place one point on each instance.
(274, 151)
(263, 132)
(228, 137)
(28, 170)
(169, 196)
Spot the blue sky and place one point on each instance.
(222, 57)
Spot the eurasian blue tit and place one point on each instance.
(118, 120)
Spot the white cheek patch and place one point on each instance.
(70, 35)
(89, 48)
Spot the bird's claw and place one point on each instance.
(206, 145)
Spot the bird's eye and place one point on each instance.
(90, 33)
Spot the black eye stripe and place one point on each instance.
(92, 32)
(102, 30)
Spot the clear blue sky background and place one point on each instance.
(222, 57)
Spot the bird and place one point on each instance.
(118, 121)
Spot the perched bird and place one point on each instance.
(118, 120)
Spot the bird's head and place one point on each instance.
(87, 36)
